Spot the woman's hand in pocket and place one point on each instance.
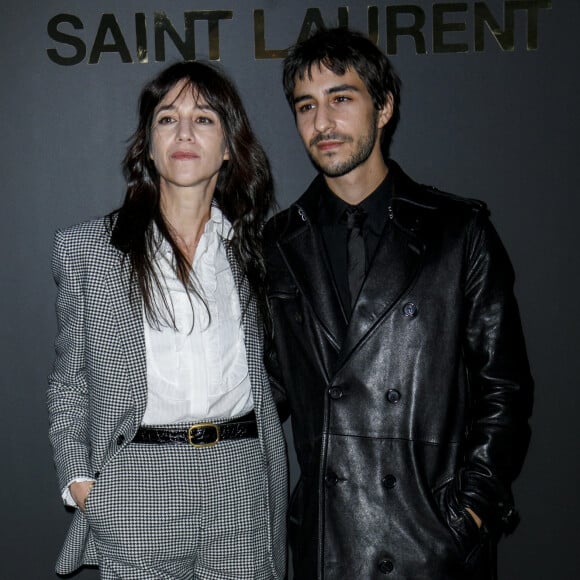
(79, 491)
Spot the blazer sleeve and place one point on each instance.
(500, 383)
(67, 396)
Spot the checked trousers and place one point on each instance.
(173, 512)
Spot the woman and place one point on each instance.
(164, 431)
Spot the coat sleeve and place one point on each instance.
(500, 383)
(67, 396)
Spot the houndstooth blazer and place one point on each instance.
(98, 389)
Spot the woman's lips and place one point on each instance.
(184, 155)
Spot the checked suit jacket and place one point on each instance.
(98, 387)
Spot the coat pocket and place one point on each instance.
(467, 536)
(287, 306)
(282, 292)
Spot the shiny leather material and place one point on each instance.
(198, 435)
(413, 411)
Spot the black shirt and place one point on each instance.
(334, 231)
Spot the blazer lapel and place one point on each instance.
(127, 307)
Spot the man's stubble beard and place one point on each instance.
(364, 148)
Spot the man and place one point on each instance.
(397, 343)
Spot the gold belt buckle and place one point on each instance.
(198, 426)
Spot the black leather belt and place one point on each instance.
(200, 434)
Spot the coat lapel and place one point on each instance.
(305, 256)
(396, 263)
(394, 267)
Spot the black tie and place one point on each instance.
(355, 251)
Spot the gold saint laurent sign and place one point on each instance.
(447, 27)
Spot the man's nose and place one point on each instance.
(323, 119)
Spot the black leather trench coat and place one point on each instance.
(413, 411)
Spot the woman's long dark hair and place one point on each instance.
(244, 190)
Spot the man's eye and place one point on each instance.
(342, 99)
(305, 107)
(204, 120)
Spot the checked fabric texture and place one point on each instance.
(97, 390)
(206, 509)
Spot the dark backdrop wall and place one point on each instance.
(490, 116)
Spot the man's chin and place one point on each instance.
(328, 169)
(334, 170)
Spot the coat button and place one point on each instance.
(393, 396)
(298, 317)
(410, 310)
(331, 479)
(386, 566)
(389, 481)
(120, 439)
(335, 393)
